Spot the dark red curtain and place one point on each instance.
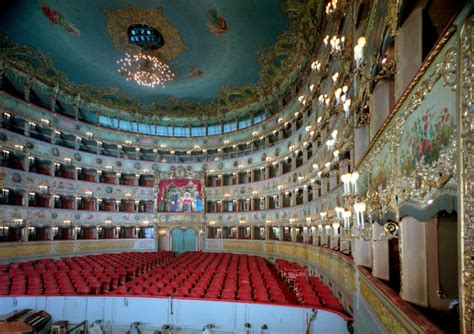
(180, 183)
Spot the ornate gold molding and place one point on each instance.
(466, 177)
(9, 252)
(118, 21)
(424, 67)
(383, 313)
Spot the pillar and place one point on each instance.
(293, 234)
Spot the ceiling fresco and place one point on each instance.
(226, 54)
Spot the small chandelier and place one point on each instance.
(145, 70)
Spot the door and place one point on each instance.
(183, 240)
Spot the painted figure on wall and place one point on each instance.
(187, 202)
(198, 201)
(217, 24)
(56, 18)
(180, 196)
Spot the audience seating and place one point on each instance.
(310, 291)
(215, 276)
(212, 276)
(94, 274)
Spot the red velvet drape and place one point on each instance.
(180, 183)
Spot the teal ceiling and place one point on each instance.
(89, 58)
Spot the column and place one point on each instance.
(293, 234)
(293, 127)
(305, 194)
(267, 202)
(267, 232)
(292, 198)
(282, 233)
(305, 234)
(305, 154)
(315, 235)
(324, 185)
(280, 168)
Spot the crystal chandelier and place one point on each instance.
(145, 70)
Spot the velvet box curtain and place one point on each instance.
(180, 183)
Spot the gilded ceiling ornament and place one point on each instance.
(275, 78)
(118, 21)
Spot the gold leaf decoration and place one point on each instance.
(118, 21)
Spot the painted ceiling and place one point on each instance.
(214, 47)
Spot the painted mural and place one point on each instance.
(425, 134)
(217, 24)
(56, 18)
(180, 195)
(382, 167)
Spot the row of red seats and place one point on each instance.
(290, 270)
(310, 291)
(213, 276)
(93, 274)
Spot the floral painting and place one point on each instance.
(217, 24)
(381, 167)
(424, 137)
(56, 18)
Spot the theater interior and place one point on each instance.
(270, 166)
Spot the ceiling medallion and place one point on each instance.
(121, 20)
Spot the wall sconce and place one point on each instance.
(331, 7)
(349, 179)
(316, 65)
(330, 144)
(339, 212)
(335, 227)
(327, 227)
(346, 107)
(359, 51)
(328, 166)
(323, 215)
(359, 209)
(326, 40)
(337, 94)
(337, 43)
(346, 216)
